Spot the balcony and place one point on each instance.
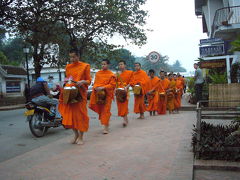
(226, 23)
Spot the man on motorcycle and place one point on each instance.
(53, 87)
(40, 95)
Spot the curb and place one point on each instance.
(216, 165)
(12, 107)
(20, 106)
(188, 108)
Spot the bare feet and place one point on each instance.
(105, 130)
(74, 140)
(79, 141)
(125, 122)
(150, 113)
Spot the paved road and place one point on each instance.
(16, 138)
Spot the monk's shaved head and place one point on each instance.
(106, 60)
(74, 55)
(122, 61)
(137, 63)
(137, 66)
(75, 51)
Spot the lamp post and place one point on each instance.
(26, 51)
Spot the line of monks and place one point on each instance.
(161, 93)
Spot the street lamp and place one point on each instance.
(26, 51)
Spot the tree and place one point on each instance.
(4, 10)
(176, 67)
(44, 24)
(3, 58)
(36, 22)
(88, 20)
(2, 37)
(161, 65)
(124, 55)
(13, 50)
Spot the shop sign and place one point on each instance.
(213, 64)
(211, 41)
(212, 50)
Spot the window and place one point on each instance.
(13, 87)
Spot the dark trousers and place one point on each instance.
(198, 91)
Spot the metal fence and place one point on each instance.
(226, 17)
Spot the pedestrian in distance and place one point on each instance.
(198, 76)
(163, 85)
(170, 93)
(152, 94)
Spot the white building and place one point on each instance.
(57, 74)
(12, 81)
(221, 21)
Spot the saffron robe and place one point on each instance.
(123, 80)
(162, 102)
(107, 79)
(170, 96)
(153, 99)
(141, 78)
(75, 115)
(178, 94)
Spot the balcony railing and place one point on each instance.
(226, 17)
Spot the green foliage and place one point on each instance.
(122, 54)
(235, 45)
(234, 69)
(176, 67)
(217, 78)
(191, 84)
(13, 49)
(217, 142)
(3, 58)
(191, 89)
(45, 25)
(162, 64)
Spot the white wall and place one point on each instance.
(234, 2)
(209, 12)
(206, 14)
(3, 87)
(213, 5)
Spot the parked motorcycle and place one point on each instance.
(40, 118)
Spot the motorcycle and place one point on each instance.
(40, 118)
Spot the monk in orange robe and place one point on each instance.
(170, 94)
(182, 79)
(105, 80)
(123, 79)
(153, 93)
(141, 79)
(75, 115)
(178, 94)
(162, 89)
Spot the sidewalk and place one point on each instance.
(157, 148)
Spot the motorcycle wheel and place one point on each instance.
(34, 126)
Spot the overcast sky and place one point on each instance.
(176, 31)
